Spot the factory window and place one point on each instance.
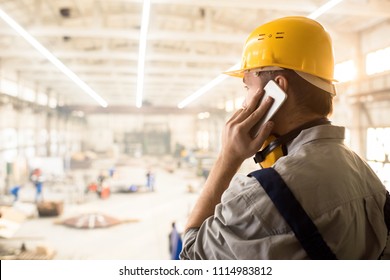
(378, 61)
(42, 98)
(54, 139)
(43, 138)
(52, 102)
(9, 140)
(27, 93)
(378, 152)
(9, 87)
(345, 71)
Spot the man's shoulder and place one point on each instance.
(241, 185)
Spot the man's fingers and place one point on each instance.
(259, 113)
(263, 134)
(254, 103)
(251, 107)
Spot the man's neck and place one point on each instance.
(288, 124)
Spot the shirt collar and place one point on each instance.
(316, 133)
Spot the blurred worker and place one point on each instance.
(150, 180)
(306, 166)
(15, 192)
(175, 243)
(103, 188)
(37, 179)
(112, 172)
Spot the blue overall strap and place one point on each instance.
(295, 216)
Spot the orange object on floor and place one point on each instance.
(92, 187)
(105, 193)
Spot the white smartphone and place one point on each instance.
(271, 89)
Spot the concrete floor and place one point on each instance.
(144, 239)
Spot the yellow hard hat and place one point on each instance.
(296, 43)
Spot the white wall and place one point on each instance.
(102, 128)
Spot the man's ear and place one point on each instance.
(282, 82)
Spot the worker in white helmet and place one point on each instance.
(314, 198)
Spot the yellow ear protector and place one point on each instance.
(274, 148)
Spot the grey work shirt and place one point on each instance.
(337, 189)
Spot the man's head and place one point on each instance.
(308, 97)
(297, 53)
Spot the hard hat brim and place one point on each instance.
(235, 73)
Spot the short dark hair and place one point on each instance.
(310, 97)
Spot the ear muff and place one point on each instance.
(275, 148)
(271, 151)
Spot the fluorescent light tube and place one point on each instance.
(324, 8)
(202, 91)
(53, 59)
(206, 87)
(141, 52)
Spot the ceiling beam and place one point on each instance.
(115, 109)
(368, 8)
(130, 79)
(297, 5)
(117, 70)
(124, 56)
(132, 35)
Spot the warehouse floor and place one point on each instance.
(146, 216)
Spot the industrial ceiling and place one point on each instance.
(188, 44)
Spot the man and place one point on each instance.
(37, 179)
(341, 197)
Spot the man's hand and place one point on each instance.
(237, 141)
(237, 145)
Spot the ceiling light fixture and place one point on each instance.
(53, 59)
(324, 8)
(318, 12)
(142, 52)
